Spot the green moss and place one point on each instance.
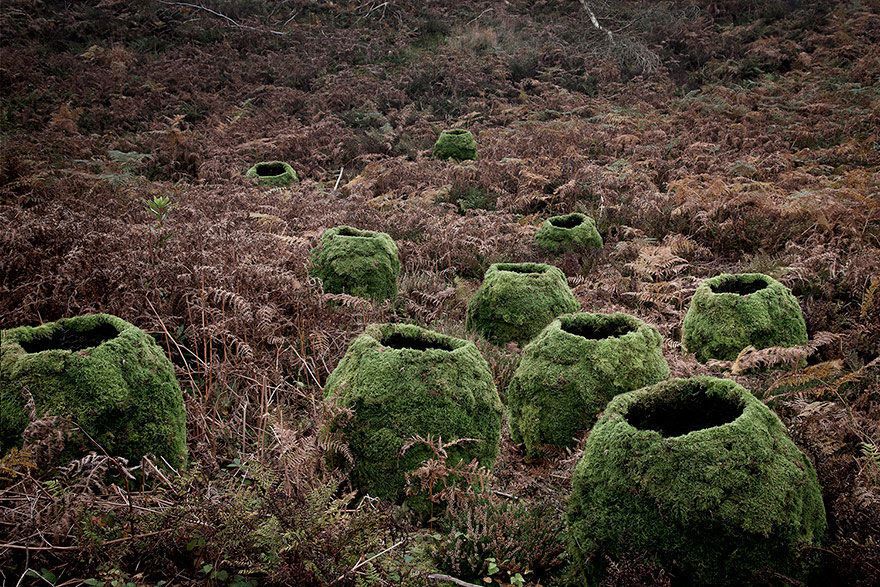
(517, 300)
(400, 381)
(571, 370)
(701, 476)
(730, 312)
(458, 144)
(570, 232)
(108, 376)
(362, 263)
(273, 174)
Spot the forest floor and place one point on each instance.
(703, 137)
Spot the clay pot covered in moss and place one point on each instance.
(701, 476)
(730, 312)
(457, 144)
(362, 263)
(570, 232)
(517, 300)
(399, 381)
(107, 376)
(273, 173)
(573, 368)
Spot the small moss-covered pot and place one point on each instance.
(570, 232)
(273, 174)
(573, 368)
(700, 475)
(457, 144)
(358, 262)
(400, 381)
(517, 300)
(730, 312)
(108, 376)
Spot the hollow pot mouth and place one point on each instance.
(414, 338)
(269, 169)
(71, 338)
(597, 326)
(741, 284)
(523, 268)
(687, 406)
(456, 132)
(567, 222)
(350, 232)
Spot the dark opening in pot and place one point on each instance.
(609, 329)
(522, 267)
(72, 340)
(739, 286)
(456, 131)
(678, 415)
(349, 231)
(270, 169)
(569, 221)
(403, 341)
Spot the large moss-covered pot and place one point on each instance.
(730, 312)
(400, 381)
(517, 300)
(701, 475)
(273, 173)
(362, 263)
(570, 232)
(569, 372)
(106, 375)
(457, 144)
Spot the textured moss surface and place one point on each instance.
(568, 233)
(702, 476)
(362, 263)
(730, 312)
(273, 173)
(458, 144)
(517, 300)
(107, 375)
(401, 380)
(569, 372)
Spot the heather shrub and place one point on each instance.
(517, 300)
(362, 263)
(700, 475)
(401, 383)
(569, 372)
(106, 375)
(730, 312)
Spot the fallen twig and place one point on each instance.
(223, 16)
(440, 577)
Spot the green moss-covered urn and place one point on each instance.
(517, 300)
(457, 144)
(730, 312)
(573, 368)
(701, 476)
(400, 381)
(108, 376)
(273, 174)
(362, 263)
(570, 232)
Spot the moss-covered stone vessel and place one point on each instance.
(457, 144)
(573, 368)
(273, 174)
(700, 475)
(517, 300)
(570, 232)
(400, 380)
(362, 263)
(730, 312)
(108, 376)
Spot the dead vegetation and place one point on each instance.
(751, 146)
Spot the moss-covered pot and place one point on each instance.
(273, 173)
(400, 380)
(517, 300)
(362, 263)
(108, 376)
(730, 312)
(457, 144)
(573, 368)
(570, 232)
(701, 475)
